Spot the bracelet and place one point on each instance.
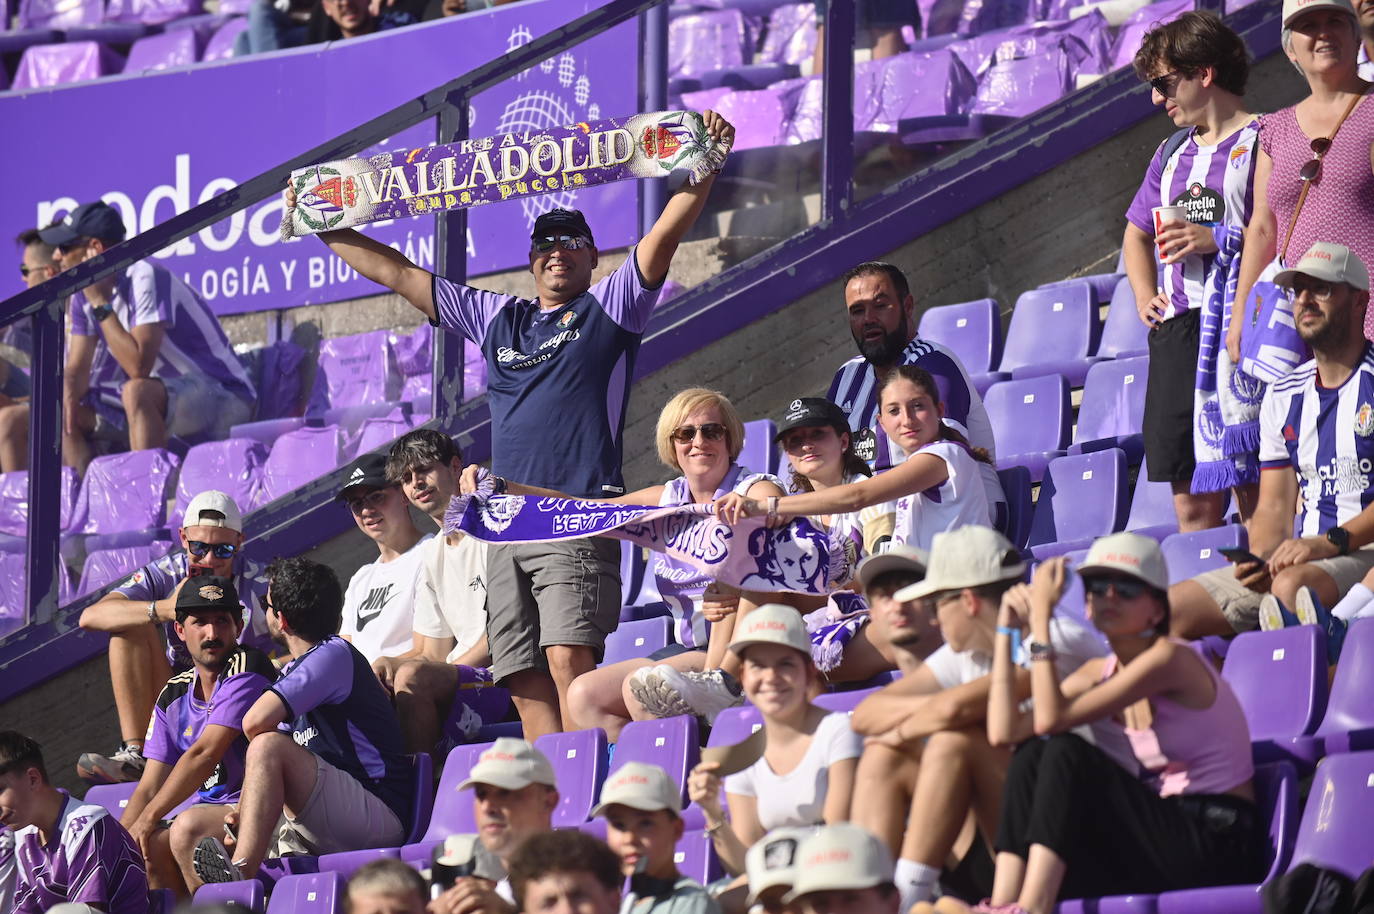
(1038, 650)
(712, 829)
(773, 507)
(152, 611)
(498, 485)
(1015, 633)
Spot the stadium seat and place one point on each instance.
(233, 466)
(1052, 332)
(1016, 86)
(922, 84)
(638, 638)
(44, 66)
(1016, 485)
(744, 78)
(346, 863)
(974, 331)
(247, 892)
(113, 797)
(1152, 508)
(760, 454)
(1102, 285)
(845, 701)
(126, 492)
(1348, 725)
(353, 371)
(790, 36)
(221, 45)
(695, 857)
(1113, 408)
(266, 431)
(14, 500)
(1133, 30)
(705, 41)
(1280, 679)
(151, 12)
(670, 743)
(110, 34)
(1190, 554)
(762, 116)
(307, 893)
(298, 457)
(579, 757)
(1033, 418)
(1082, 497)
(594, 827)
(106, 566)
(452, 811)
(379, 432)
(422, 795)
(13, 580)
(59, 14)
(279, 383)
(1123, 334)
(637, 582)
(177, 48)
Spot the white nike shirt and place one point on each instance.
(379, 607)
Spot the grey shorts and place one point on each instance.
(1240, 605)
(199, 405)
(341, 815)
(543, 594)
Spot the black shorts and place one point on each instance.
(876, 14)
(1168, 422)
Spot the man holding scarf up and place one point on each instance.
(558, 370)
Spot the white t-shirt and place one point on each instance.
(379, 606)
(960, 500)
(798, 797)
(451, 597)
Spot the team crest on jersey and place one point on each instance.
(566, 319)
(1364, 420)
(1238, 154)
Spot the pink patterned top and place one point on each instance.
(1340, 206)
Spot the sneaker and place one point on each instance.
(647, 687)
(212, 862)
(667, 692)
(1310, 611)
(126, 764)
(1272, 615)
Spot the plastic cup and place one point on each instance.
(1166, 214)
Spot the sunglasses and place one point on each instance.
(221, 550)
(1319, 290)
(1167, 84)
(1126, 588)
(25, 270)
(65, 249)
(686, 434)
(566, 242)
(1313, 169)
(373, 500)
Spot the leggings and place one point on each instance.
(1117, 835)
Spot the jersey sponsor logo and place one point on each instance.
(374, 603)
(1338, 476)
(514, 358)
(477, 583)
(1364, 420)
(1203, 205)
(304, 737)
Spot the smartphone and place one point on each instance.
(452, 860)
(1238, 555)
(195, 571)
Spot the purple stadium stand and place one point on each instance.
(452, 812)
(1113, 408)
(1017, 86)
(637, 582)
(151, 12)
(791, 35)
(59, 64)
(298, 457)
(1102, 285)
(760, 454)
(1280, 679)
(1190, 554)
(111, 34)
(266, 430)
(307, 893)
(1033, 418)
(233, 466)
(59, 14)
(1052, 331)
(1152, 508)
(247, 892)
(14, 500)
(707, 41)
(177, 48)
(1082, 497)
(280, 386)
(12, 581)
(105, 566)
(762, 116)
(1016, 484)
(579, 757)
(638, 638)
(379, 433)
(1141, 21)
(346, 863)
(974, 331)
(126, 492)
(414, 351)
(1348, 725)
(221, 44)
(113, 797)
(355, 370)
(695, 858)
(671, 743)
(919, 84)
(845, 701)
(747, 77)
(1123, 334)
(15, 42)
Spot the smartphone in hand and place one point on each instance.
(1239, 556)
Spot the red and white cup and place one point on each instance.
(1163, 215)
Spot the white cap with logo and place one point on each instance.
(772, 860)
(837, 857)
(969, 556)
(213, 508)
(1329, 262)
(1292, 9)
(511, 764)
(640, 786)
(1130, 554)
(772, 623)
(896, 558)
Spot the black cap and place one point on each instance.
(368, 470)
(209, 591)
(567, 221)
(89, 220)
(812, 412)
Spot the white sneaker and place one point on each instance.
(677, 692)
(1270, 614)
(648, 688)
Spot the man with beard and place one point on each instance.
(196, 745)
(882, 321)
(1316, 428)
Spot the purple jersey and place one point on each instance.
(180, 716)
(158, 579)
(336, 708)
(556, 376)
(90, 859)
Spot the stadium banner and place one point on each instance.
(347, 193)
(156, 144)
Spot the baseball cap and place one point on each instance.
(1131, 554)
(640, 786)
(1292, 9)
(772, 623)
(896, 558)
(89, 220)
(812, 412)
(970, 556)
(368, 470)
(511, 764)
(569, 221)
(772, 860)
(213, 508)
(1331, 262)
(840, 856)
(207, 592)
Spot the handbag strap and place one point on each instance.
(1307, 185)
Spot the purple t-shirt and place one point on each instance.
(180, 716)
(336, 708)
(90, 860)
(559, 377)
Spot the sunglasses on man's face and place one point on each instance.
(1126, 588)
(25, 270)
(1167, 84)
(686, 434)
(65, 249)
(220, 550)
(566, 242)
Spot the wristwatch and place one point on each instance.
(1039, 650)
(1340, 538)
(102, 312)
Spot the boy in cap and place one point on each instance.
(565, 872)
(196, 745)
(642, 809)
(140, 614)
(842, 869)
(770, 866)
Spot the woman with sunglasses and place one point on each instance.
(1322, 145)
(1076, 824)
(1197, 69)
(699, 435)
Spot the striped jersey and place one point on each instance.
(1215, 184)
(1327, 436)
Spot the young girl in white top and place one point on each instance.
(805, 775)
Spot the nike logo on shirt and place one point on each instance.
(375, 602)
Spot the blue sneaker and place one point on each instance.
(1310, 611)
(1273, 616)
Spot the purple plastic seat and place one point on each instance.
(761, 114)
(746, 77)
(1133, 30)
(760, 454)
(1348, 725)
(414, 351)
(1033, 418)
(1113, 408)
(1052, 332)
(452, 812)
(1102, 285)
(346, 863)
(125, 492)
(791, 35)
(671, 743)
(113, 797)
(1018, 86)
(695, 858)
(14, 500)
(233, 466)
(707, 41)
(151, 12)
(307, 893)
(247, 892)
(579, 757)
(973, 330)
(177, 48)
(1082, 497)
(379, 433)
(355, 370)
(298, 457)
(918, 84)
(105, 566)
(636, 639)
(266, 430)
(1123, 334)
(637, 583)
(845, 701)
(1016, 485)
(1152, 508)
(1190, 554)
(13, 581)
(59, 64)
(59, 14)
(221, 44)
(1280, 679)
